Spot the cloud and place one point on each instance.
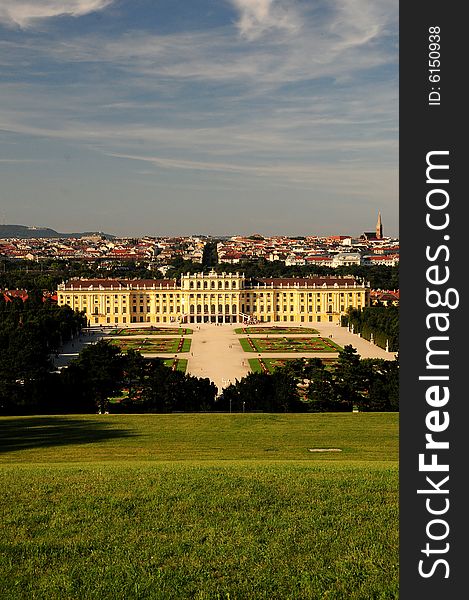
(25, 12)
(340, 176)
(259, 16)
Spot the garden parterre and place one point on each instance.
(134, 331)
(285, 344)
(158, 346)
(274, 330)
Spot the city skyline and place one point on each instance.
(239, 116)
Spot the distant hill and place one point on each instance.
(24, 232)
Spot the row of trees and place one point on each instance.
(307, 385)
(380, 276)
(31, 332)
(380, 321)
(102, 371)
(304, 385)
(47, 274)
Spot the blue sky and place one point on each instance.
(166, 117)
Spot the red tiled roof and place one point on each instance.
(305, 281)
(84, 284)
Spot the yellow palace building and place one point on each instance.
(214, 298)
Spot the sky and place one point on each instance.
(215, 117)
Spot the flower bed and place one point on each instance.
(276, 330)
(129, 331)
(285, 344)
(159, 346)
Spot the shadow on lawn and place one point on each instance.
(42, 432)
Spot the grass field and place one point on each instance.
(181, 363)
(315, 344)
(268, 365)
(276, 330)
(158, 346)
(204, 506)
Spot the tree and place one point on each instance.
(322, 391)
(261, 391)
(349, 378)
(135, 368)
(383, 392)
(102, 367)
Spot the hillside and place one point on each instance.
(25, 232)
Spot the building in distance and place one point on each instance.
(214, 298)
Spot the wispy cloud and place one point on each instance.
(338, 176)
(259, 16)
(25, 12)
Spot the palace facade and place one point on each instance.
(214, 298)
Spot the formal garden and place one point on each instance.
(276, 330)
(285, 344)
(158, 346)
(130, 331)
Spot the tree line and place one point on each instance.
(102, 372)
(380, 321)
(308, 385)
(303, 385)
(47, 274)
(31, 332)
(381, 277)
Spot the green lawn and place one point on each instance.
(181, 363)
(199, 507)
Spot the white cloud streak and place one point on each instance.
(257, 17)
(24, 13)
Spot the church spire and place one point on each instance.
(379, 228)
